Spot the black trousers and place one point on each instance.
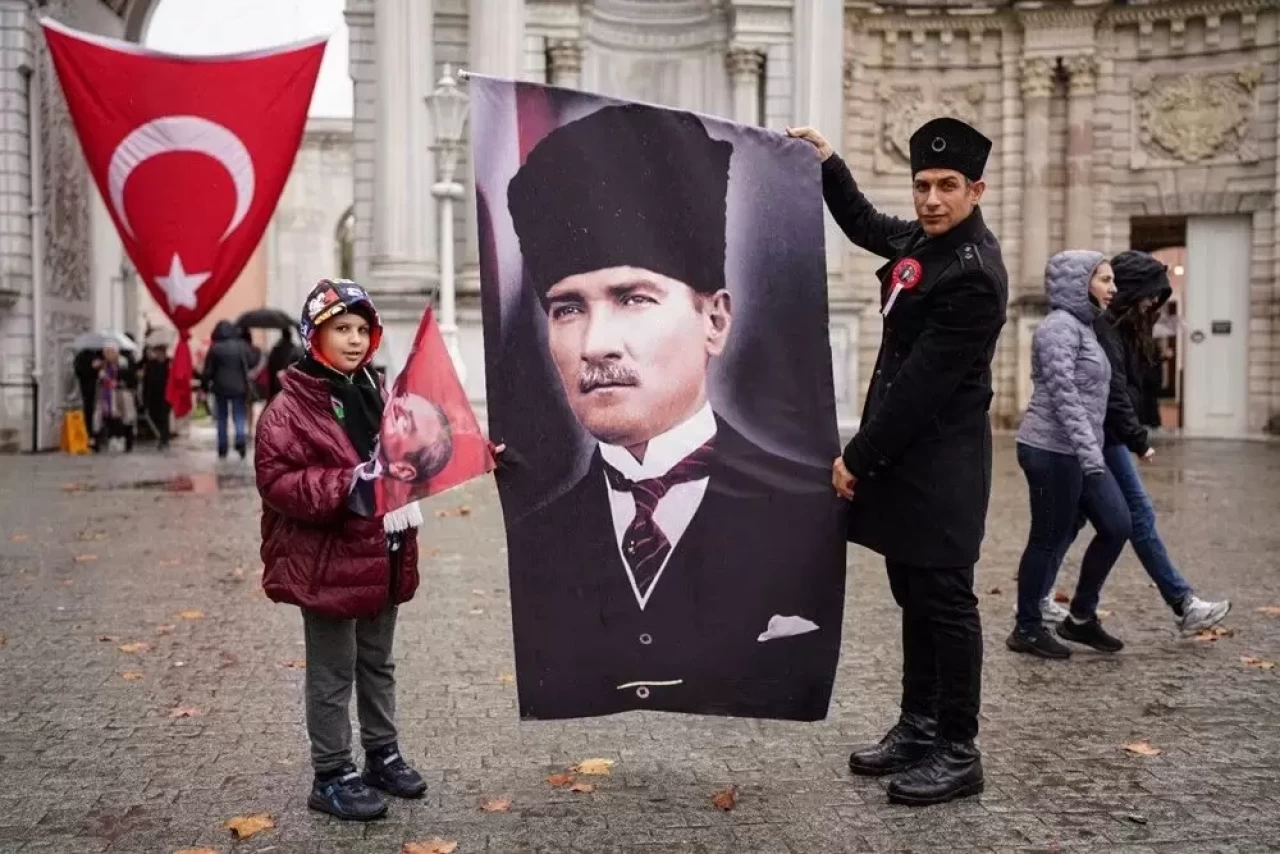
(941, 646)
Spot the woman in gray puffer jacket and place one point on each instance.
(1060, 451)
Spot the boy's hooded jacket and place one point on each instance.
(1070, 371)
(316, 552)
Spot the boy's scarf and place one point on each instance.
(357, 404)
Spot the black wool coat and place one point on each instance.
(922, 454)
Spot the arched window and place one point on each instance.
(344, 244)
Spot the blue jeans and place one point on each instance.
(1146, 539)
(238, 409)
(1059, 494)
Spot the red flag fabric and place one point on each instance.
(190, 154)
(430, 440)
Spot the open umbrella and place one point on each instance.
(101, 339)
(266, 318)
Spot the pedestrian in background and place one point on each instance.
(226, 377)
(1059, 448)
(115, 410)
(155, 381)
(1125, 331)
(347, 572)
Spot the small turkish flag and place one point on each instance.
(190, 154)
(430, 440)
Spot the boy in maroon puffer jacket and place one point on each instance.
(316, 449)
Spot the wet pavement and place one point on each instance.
(149, 693)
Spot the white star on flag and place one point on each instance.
(181, 286)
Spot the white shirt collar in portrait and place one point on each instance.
(676, 509)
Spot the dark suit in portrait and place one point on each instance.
(584, 645)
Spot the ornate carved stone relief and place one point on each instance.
(903, 108)
(1196, 118)
(66, 208)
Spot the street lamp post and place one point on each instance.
(448, 105)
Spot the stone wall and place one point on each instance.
(69, 253)
(1099, 113)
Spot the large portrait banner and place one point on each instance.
(659, 367)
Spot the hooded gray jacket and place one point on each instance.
(1069, 368)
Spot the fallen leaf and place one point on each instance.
(475, 612)
(67, 582)
(583, 788)
(1060, 597)
(108, 638)
(1142, 748)
(75, 487)
(1103, 613)
(994, 591)
(1214, 633)
(594, 767)
(460, 510)
(164, 564)
(20, 538)
(1272, 610)
(244, 826)
(294, 665)
(478, 593)
(166, 629)
(431, 846)
(186, 712)
(507, 678)
(725, 800)
(86, 558)
(560, 779)
(496, 805)
(136, 646)
(191, 614)
(3, 640)
(131, 675)
(464, 510)
(1250, 661)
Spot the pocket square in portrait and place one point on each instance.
(785, 627)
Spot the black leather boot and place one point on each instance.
(902, 747)
(953, 769)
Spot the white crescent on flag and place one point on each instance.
(182, 133)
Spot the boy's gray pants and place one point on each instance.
(339, 651)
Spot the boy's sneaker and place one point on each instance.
(1040, 642)
(1198, 614)
(1089, 633)
(345, 795)
(385, 769)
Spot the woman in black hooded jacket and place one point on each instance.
(1124, 331)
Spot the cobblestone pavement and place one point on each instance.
(92, 757)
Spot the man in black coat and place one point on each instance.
(919, 469)
(689, 570)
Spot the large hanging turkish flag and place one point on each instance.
(191, 154)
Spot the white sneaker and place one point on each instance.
(1197, 614)
(1051, 611)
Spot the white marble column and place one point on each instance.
(403, 259)
(564, 63)
(496, 47)
(1037, 88)
(746, 67)
(818, 66)
(1081, 87)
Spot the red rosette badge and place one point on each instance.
(906, 275)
